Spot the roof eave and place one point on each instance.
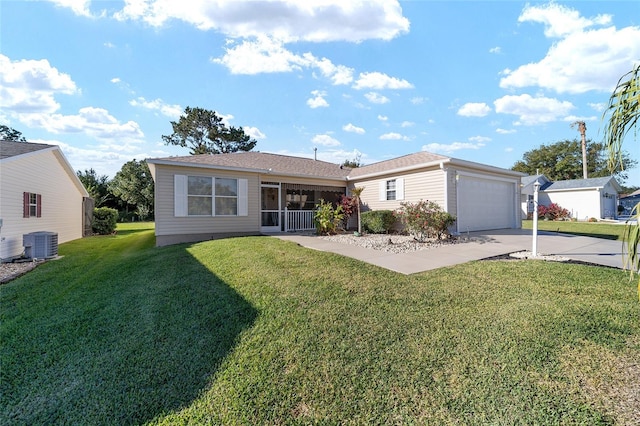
(399, 170)
(241, 169)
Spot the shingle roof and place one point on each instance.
(528, 180)
(406, 161)
(295, 166)
(578, 184)
(273, 163)
(11, 149)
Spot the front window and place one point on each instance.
(199, 196)
(226, 197)
(207, 196)
(391, 189)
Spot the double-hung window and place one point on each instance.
(31, 204)
(226, 197)
(391, 189)
(200, 196)
(210, 196)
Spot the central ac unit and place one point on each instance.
(40, 245)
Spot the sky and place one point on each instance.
(368, 79)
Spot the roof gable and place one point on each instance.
(13, 151)
(406, 161)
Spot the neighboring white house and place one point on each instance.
(39, 191)
(584, 198)
(201, 197)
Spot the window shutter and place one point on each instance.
(38, 205)
(25, 204)
(383, 190)
(243, 199)
(400, 189)
(180, 195)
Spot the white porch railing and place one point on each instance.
(298, 220)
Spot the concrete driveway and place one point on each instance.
(477, 246)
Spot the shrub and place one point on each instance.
(377, 221)
(552, 212)
(425, 219)
(327, 218)
(349, 208)
(105, 220)
(593, 219)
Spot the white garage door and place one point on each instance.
(485, 204)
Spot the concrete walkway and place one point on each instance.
(479, 245)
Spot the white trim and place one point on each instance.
(487, 177)
(382, 194)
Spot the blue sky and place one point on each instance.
(475, 80)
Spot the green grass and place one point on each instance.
(260, 331)
(607, 231)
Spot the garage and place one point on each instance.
(485, 203)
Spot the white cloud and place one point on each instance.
(286, 20)
(79, 7)
(474, 109)
(392, 136)
(479, 139)
(171, 111)
(96, 122)
(560, 20)
(353, 129)
(325, 140)
(532, 111)
(103, 160)
(583, 59)
(318, 101)
(379, 81)
(497, 50)
(574, 118)
(418, 100)
(407, 124)
(505, 131)
(446, 149)
(262, 55)
(383, 118)
(376, 98)
(338, 74)
(30, 86)
(254, 132)
(508, 149)
(599, 106)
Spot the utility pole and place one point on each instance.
(582, 128)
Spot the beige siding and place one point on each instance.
(425, 184)
(168, 224)
(40, 173)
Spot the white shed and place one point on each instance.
(584, 198)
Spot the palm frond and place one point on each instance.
(621, 115)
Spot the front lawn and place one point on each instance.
(260, 331)
(609, 231)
